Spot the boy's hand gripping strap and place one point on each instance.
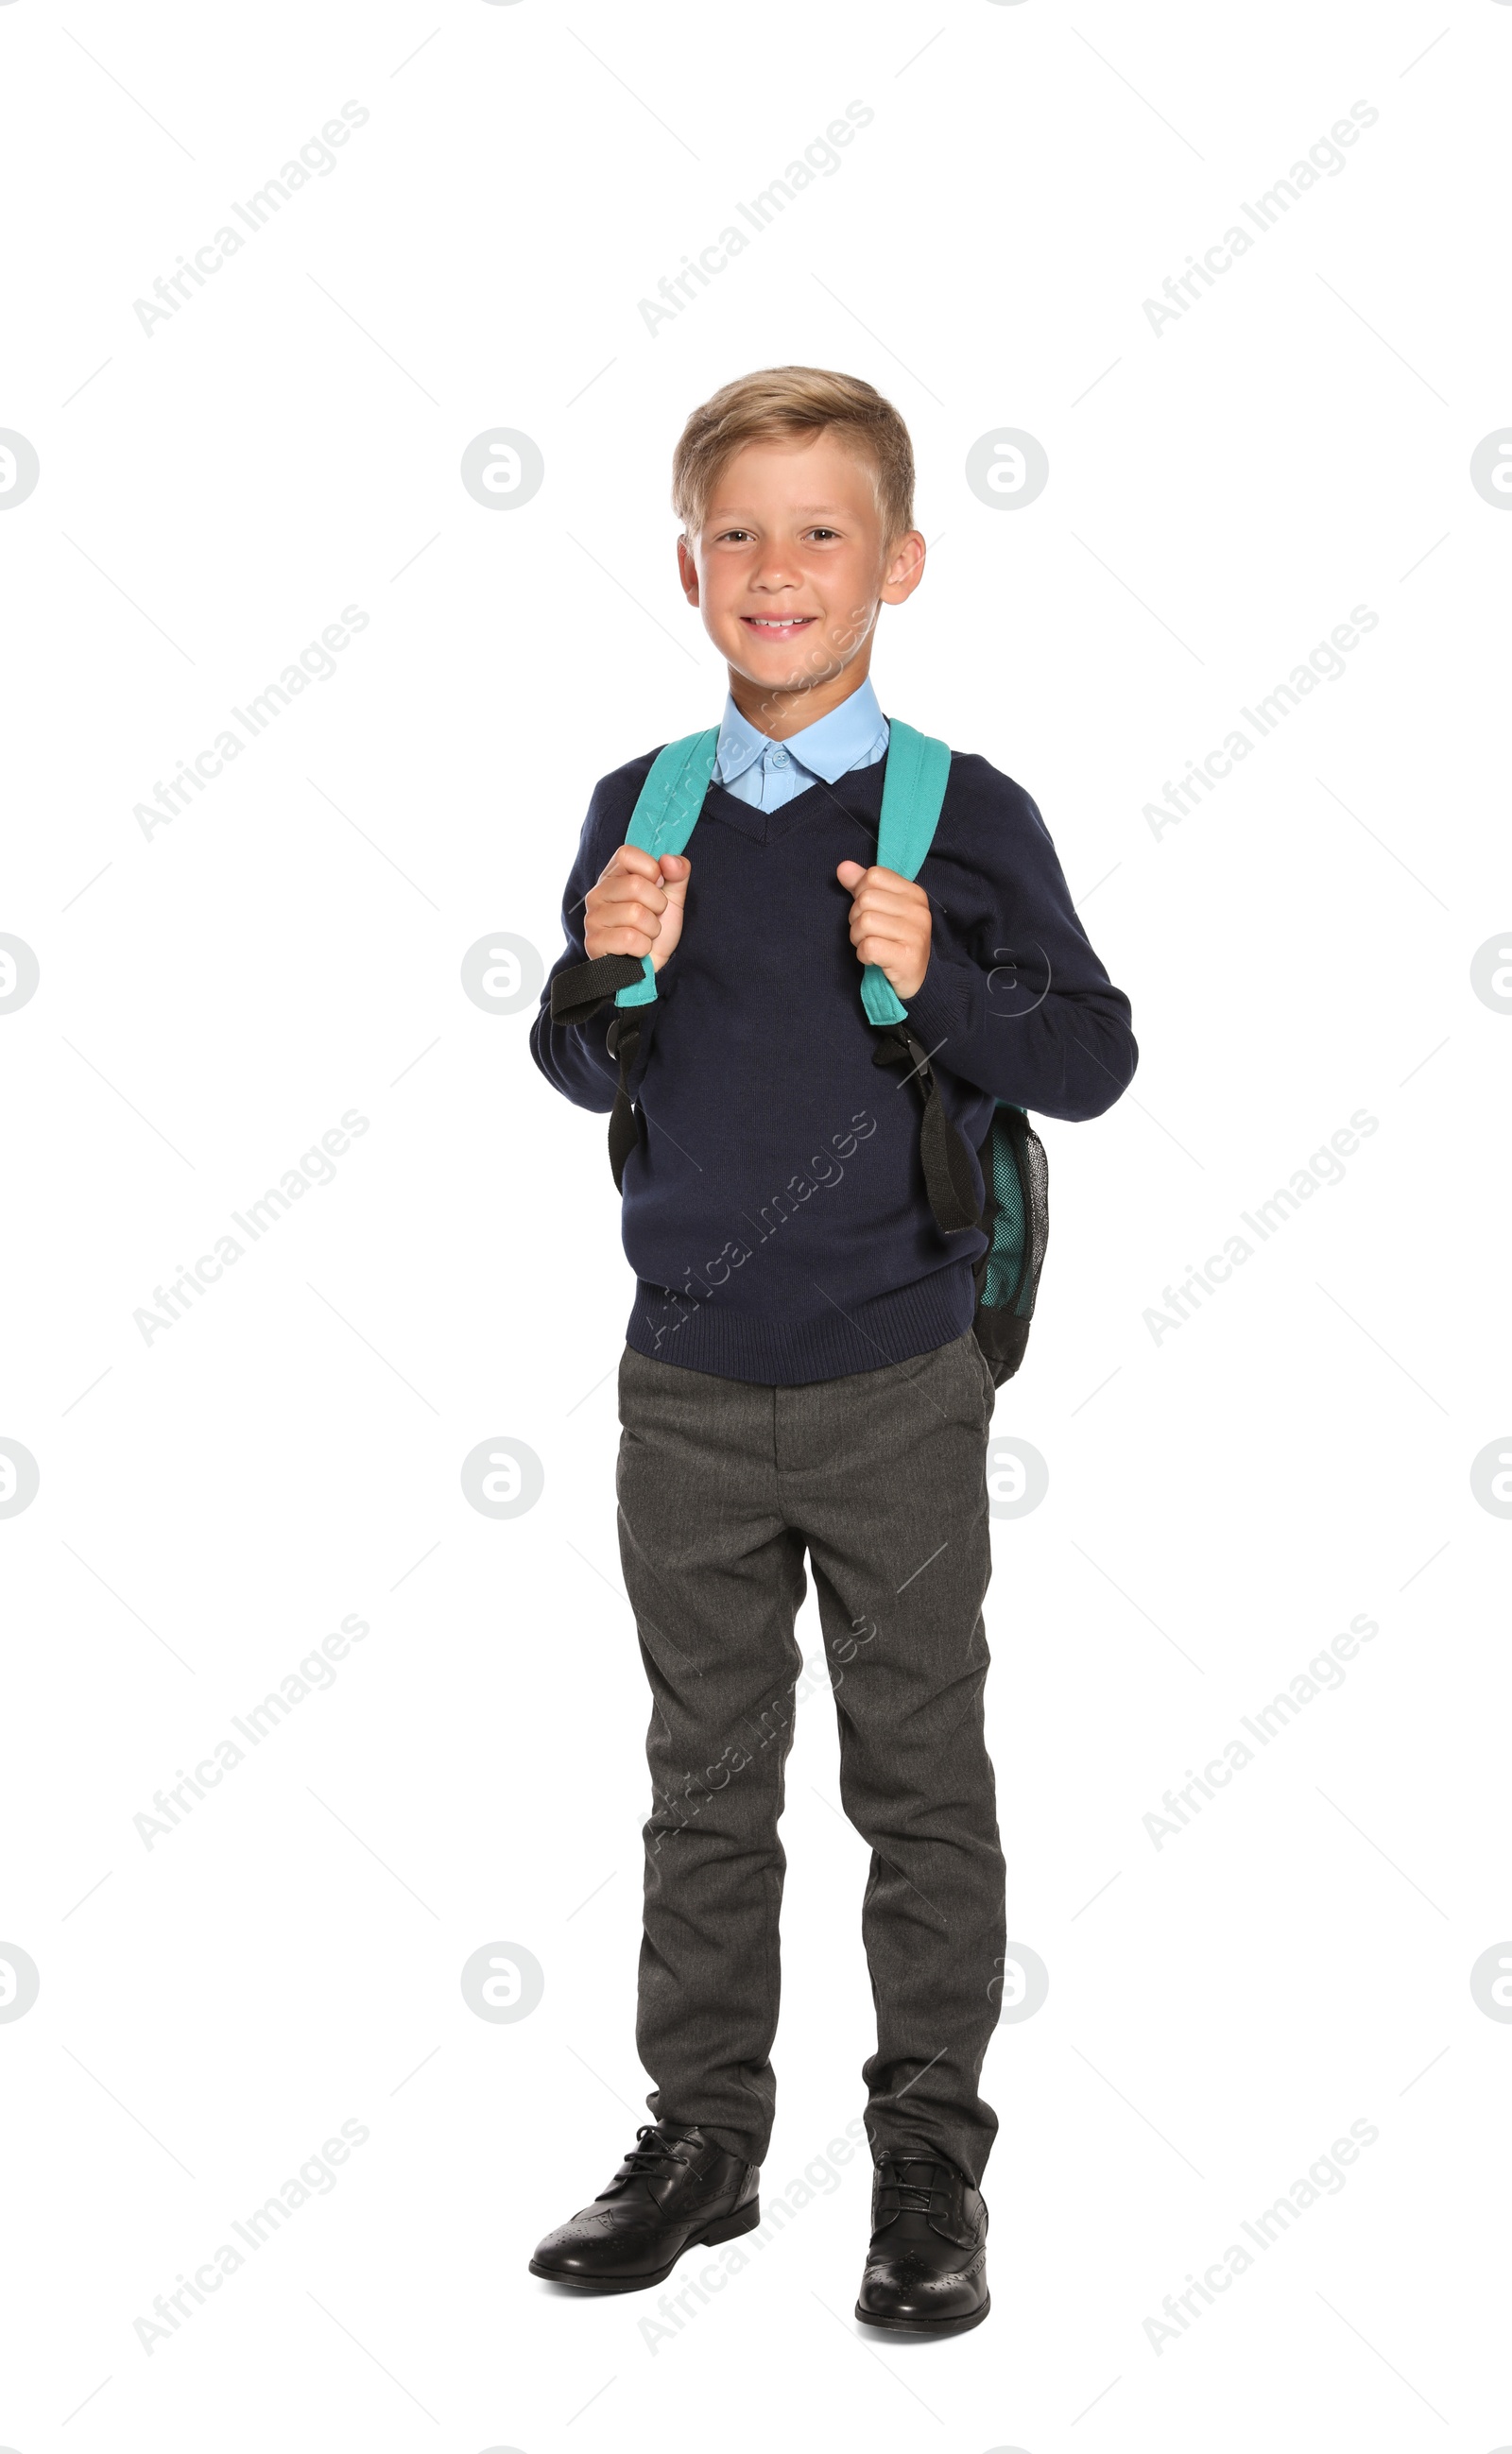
(665, 815)
(913, 790)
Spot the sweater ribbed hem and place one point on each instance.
(784, 1353)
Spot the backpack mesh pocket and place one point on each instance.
(1015, 1221)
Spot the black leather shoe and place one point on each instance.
(926, 2272)
(674, 2189)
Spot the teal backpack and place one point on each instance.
(1014, 1217)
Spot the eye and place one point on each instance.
(824, 532)
(727, 536)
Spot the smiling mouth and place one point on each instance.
(778, 626)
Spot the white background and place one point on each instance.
(214, 997)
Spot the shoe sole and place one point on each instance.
(727, 2228)
(925, 2325)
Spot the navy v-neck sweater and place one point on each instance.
(775, 1211)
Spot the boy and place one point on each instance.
(800, 1373)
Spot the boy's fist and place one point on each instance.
(890, 924)
(636, 906)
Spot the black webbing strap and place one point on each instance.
(577, 993)
(942, 1148)
(576, 996)
(624, 1123)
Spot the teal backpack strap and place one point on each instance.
(913, 790)
(665, 817)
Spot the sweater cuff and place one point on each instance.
(940, 1008)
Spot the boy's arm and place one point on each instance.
(574, 1055)
(1031, 1016)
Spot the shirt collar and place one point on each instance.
(828, 748)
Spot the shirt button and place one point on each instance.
(779, 757)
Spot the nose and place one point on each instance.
(773, 572)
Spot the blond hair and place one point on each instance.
(794, 400)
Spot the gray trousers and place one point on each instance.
(880, 1477)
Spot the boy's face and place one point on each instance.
(789, 569)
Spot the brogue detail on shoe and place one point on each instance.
(674, 2189)
(926, 2272)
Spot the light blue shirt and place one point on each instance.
(769, 774)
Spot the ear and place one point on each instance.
(906, 568)
(687, 570)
